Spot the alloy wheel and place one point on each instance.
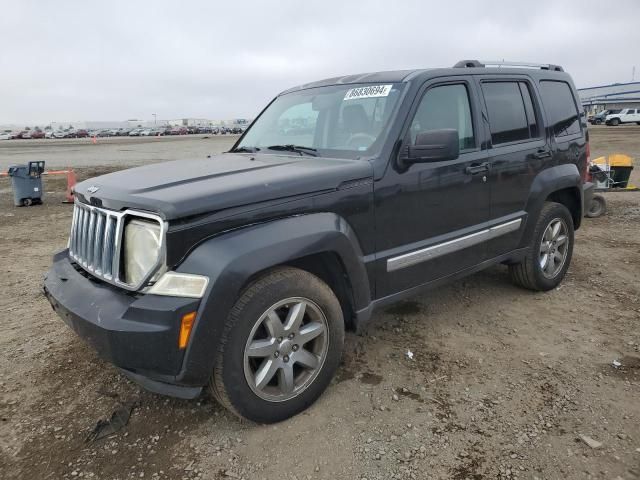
(554, 248)
(286, 349)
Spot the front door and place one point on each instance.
(430, 217)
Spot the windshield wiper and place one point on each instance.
(245, 150)
(295, 148)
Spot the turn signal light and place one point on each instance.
(185, 329)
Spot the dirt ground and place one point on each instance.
(501, 385)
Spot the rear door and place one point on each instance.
(518, 151)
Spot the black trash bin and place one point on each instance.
(26, 181)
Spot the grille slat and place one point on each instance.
(95, 241)
(99, 238)
(93, 233)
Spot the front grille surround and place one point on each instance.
(96, 242)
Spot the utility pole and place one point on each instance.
(154, 119)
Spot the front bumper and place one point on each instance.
(137, 333)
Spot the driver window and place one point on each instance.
(446, 106)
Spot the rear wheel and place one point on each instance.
(27, 202)
(550, 250)
(280, 348)
(597, 207)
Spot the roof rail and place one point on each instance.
(500, 63)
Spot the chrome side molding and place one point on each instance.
(451, 246)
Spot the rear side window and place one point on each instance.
(560, 107)
(511, 112)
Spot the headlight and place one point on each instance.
(176, 284)
(141, 249)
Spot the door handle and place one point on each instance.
(542, 153)
(478, 168)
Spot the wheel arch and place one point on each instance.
(560, 183)
(322, 243)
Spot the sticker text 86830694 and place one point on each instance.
(368, 92)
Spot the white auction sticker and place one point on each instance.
(368, 92)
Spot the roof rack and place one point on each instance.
(499, 63)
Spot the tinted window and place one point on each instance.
(446, 106)
(560, 107)
(506, 109)
(531, 113)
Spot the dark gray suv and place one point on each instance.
(241, 272)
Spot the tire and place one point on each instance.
(597, 122)
(597, 207)
(251, 327)
(614, 122)
(529, 273)
(27, 202)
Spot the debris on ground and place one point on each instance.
(119, 419)
(590, 441)
(409, 354)
(617, 364)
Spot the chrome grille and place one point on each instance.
(96, 238)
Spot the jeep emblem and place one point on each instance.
(93, 189)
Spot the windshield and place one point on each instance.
(344, 121)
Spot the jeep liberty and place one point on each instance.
(240, 273)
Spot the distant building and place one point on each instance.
(190, 122)
(607, 97)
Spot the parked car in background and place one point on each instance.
(626, 115)
(145, 133)
(59, 134)
(37, 134)
(48, 134)
(177, 131)
(203, 130)
(5, 135)
(82, 133)
(599, 118)
(135, 132)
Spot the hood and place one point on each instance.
(183, 188)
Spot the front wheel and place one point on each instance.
(550, 250)
(280, 348)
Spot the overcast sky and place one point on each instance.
(115, 60)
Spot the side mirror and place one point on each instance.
(433, 146)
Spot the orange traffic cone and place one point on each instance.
(94, 140)
(71, 182)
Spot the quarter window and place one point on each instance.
(560, 107)
(511, 113)
(445, 106)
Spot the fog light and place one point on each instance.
(185, 329)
